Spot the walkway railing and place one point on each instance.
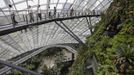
(12, 27)
(36, 17)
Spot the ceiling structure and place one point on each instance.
(19, 42)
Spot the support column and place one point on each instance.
(66, 29)
(72, 32)
(89, 24)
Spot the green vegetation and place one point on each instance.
(35, 62)
(112, 42)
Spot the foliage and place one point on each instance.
(34, 62)
(120, 17)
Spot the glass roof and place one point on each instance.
(22, 41)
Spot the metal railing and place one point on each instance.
(25, 18)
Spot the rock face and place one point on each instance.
(112, 42)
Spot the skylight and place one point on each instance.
(49, 33)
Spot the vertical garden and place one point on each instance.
(112, 42)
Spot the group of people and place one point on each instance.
(50, 13)
(30, 15)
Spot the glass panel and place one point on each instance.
(43, 2)
(52, 6)
(21, 6)
(67, 6)
(43, 7)
(54, 1)
(15, 1)
(62, 1)
(32, 3)
(2, 3)
(70, 1)
(60, 6)
(1, 14)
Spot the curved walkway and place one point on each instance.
(6, 69)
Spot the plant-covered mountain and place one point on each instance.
(112, 42)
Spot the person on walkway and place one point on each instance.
(24, 19)
(55, 11)
(72, 12)
(14, 22)
(49, 13)
(39, 15)
(13, 19)
(31, 15)
(94, 13)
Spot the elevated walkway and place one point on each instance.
(8, 28)
(23, 59)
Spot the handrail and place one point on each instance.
(12, 29)
(58, 15)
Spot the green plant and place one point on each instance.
(107, 48)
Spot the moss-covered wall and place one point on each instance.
(112, 42)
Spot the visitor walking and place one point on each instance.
(94, 12)
(31, 16)
(12, 14)
(39, 15)
(72, 12)
(55, 11)
(13, 19)
(49, 12)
